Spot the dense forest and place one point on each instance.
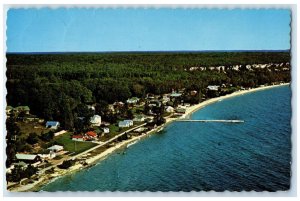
(54, 85)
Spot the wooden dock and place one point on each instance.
(212, 120)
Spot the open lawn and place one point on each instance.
(72, 146)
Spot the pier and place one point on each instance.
(211, 120)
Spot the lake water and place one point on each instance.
(186, 156)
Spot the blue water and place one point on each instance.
(254, 155)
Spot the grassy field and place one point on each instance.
(69, 144)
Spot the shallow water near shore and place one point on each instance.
(187, 156)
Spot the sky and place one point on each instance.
(90, 30)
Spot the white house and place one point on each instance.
(169, 109)
(125, 123)
(106, 130)
(79, 138)
(47, 154)
(56, 148)
(213, 87)
(96, 120)
(52, 124)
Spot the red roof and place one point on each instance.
(92, 134)
(77, 136)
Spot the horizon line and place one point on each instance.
(151, 51)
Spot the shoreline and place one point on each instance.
(93, 160)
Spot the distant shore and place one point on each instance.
(35, 186)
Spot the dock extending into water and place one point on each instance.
(212, 120)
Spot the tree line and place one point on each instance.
(55, 86)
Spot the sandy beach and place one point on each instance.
(44, 179)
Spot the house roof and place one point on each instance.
(128, 121)
(123, 123)
(175, 95)
(213, 87)
(91, 133)
(25, 156)
(52, 123)
(77, 136)
(95, 119)
(56, 147)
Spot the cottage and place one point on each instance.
(130, 122)
(95, 120)
(56, 148)
(52, 124)
(79, 138)
(47, 154)
(106, 130)
(60, 133)
(169, 109)
(125, 123)
(139, 118)
(212, 91)
(213, 87)
(91, 135)
(132, 100)
(28, 158)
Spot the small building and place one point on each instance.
(91, 135)
(79, 138)
(47, 154)
(130, 122)
(125, 123)
(60, 133)
(28, 158)
(132, 100)
(52, 124)
(169, 109)
(95, 120)
(106, 130)
(56, 148)
(139, 118)
(213, 87)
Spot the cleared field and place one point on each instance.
(72, 146)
